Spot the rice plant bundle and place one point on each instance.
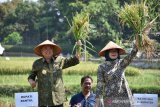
(80, 28)
(136, 15)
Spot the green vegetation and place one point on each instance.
(137, 16)
(11, 84)
(37, 21)
(18, 48)
(13, 78)
(15, 65)
(132, 71)
(24, 65)
(13, 39)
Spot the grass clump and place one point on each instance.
(132, 71)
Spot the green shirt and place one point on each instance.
(51, 89)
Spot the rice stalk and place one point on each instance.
(80, 28)
(136, 16)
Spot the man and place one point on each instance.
(48, 71)
(85, 98)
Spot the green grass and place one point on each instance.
(14, 73)
(20, 80)
(83, 68)
(16, 65)
(7, 99)
(72, 82)
(147, 78)
(142, 80)
(21, 65)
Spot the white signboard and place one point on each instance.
(145, 100)
(29, 99)
(1, 50)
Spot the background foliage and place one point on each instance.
(13, 39)
(46, 19)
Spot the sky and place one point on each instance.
(2, 1)
(10, 0)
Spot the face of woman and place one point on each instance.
(113, 53)
(47, 52)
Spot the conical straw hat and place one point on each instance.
(56, 49)
(111, 45)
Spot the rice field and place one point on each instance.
(15, 65)
(14, 72)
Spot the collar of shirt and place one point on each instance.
(89, 102)
(112, 62)
(90, 96)
(44, 60)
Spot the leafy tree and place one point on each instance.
(22, 19)
(104, 20)
(50, 21)
(26, 15)
(13, 39)
(154, 11)
(5, 9)
(45, 19)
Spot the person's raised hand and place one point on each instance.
(78, 45)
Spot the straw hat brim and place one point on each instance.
(56, 49)
(112, 45)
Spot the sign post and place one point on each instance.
(145, 100)
(28, 99)
(1, 49)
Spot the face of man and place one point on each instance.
(87, 85)
(113, 53)
(47, 52)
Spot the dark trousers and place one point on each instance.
(53, 106)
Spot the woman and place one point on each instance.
(111, 81)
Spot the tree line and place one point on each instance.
(30, 22)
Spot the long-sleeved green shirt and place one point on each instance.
(51, 89)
